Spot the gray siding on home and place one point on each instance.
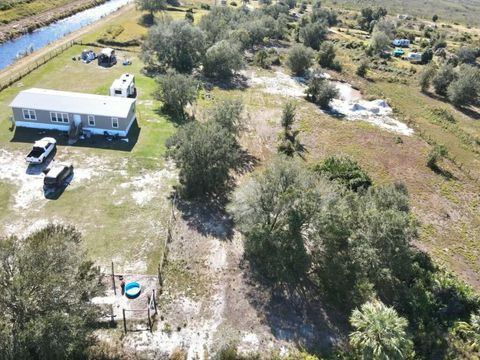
(101, 122)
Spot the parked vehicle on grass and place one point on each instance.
(57, 175)
(41, 150)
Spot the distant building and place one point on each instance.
(60, 110)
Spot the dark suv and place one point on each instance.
(57, 175)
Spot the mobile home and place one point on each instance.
(60, 110)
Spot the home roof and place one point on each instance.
(72, 102)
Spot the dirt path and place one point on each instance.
(24, 62)
(210, 301)
(19, 27)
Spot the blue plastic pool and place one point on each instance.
(132, 290)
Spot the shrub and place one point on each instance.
(320, 91)
(222, 60)
(378, 43)
(205, 154)
(204, 6)
(262, 59)
(443, 78)
(465, 89)
(326, 57)
(189, 16)
(380, 333)
(228, 114)
(56, 319)
(312, 34)
(362, 69)
(427, 55)
(299, 59)
(426, 77)
(151, 6)
(467, 55)
(290, 3)
(345, 171)
(176, 91)
(436, 154)
(177, 44)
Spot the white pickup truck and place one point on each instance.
(41, 149)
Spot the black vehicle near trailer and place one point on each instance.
(57, 176)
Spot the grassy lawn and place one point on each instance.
(122, 208)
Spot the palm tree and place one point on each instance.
(380, 333)
(469, 333)
(289, 143)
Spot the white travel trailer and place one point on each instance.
(124, 87)
(401, 42)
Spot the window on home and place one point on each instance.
(29, 114)
(58, 117)
(91, 120)
(115, 123)
(118, 92)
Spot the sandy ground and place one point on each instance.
(29, 178)
(349, 106)
(220, 304)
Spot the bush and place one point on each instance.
(378, 43)
(228, 114)
(362, 69)
(290, 3)
(426, 77)
(443, 78)
(204, 6)
(320, 91)
(177, 44)
(222, 60)
(271, 211)
(312, 34)
(326, 57)
(205, 154)
(465, 90)
(299, 59)
(176, 91)
(48, 312)
(189, 16)
(427, 55)
(467, 55)
(436, 154)
(262, 59)
(346, 172)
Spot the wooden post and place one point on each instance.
(111, 315)
(124, 322)
(113, 281)
(154, 302)
(149, 319)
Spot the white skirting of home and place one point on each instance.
(40, 125)
(93, 130)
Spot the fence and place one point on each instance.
(151, 306)
(28, 68)
(168, 239)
